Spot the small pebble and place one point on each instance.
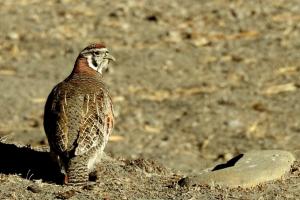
(184, 182)
(13, 36)
(65, 195)
(34, 188)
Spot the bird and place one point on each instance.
(79, 116)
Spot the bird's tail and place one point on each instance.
(77, 171)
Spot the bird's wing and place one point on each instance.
(62, 119)
(54, 124)
(77, 122)
(96, 122)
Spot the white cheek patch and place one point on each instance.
(98, 63)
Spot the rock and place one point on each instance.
(247, 170)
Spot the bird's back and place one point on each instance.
(78, 115)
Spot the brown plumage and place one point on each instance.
(79, 117)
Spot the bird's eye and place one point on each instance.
(97, 53)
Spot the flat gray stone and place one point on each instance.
(246, 170)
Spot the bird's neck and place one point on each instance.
(81, 67)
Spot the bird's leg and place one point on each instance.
(66, 179)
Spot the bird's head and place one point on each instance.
(95, 56)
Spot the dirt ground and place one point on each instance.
(195, 83)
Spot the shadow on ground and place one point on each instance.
(28, 163)
(229, 163)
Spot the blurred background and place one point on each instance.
(195, 82)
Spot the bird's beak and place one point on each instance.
(109, 57)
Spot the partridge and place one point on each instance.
(78, 117)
